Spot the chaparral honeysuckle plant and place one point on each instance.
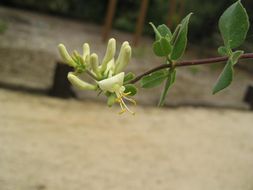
(108, 73)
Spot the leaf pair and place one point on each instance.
(179, 38)
(130, 88)
(226, 77)
(156, 78)
(162, 46)
(171, 46)
(168, 44)
(233, 25)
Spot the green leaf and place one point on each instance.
(161, 31)
(169, 82)
(234, 25)
(157, 33)
(153, 79)
(162, 47)
(225, 77)
(130, 88)
(128, 77)
(223, 51)
(164, 32)
(181, 39)
(235, 56)
(175, 34)
(111, 99)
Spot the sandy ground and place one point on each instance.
(52, 144)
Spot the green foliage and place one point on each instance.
(180, 42)
(222, 50)
(172, 47)
(128, 77)
(169, 82)
(235, 56)
(167, 44)
(154, 79)
(162, 47)
(164, 31)
(225, 77)
(234, 25)
(111, 99)
(131, 89)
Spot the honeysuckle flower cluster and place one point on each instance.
(108, 75)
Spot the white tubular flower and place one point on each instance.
(124, 57)
(110, 68)
(114, 84)
(86, 54)
(109, 55)
(94, 64)
(65, 55)
(108, 77)
(86, 50)
(74, 80)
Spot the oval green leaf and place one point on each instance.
(222, 50)
(128, 77)
(234, 25)
(162, 47)
(180, 39)
(169, 82)
(235, 56)
(130, 88)
(153, 79)
(164, 31)
(225, 77)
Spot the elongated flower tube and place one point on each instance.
(124, 58)
(80, 83)
(108, 76)
(86, 50)
(65, 55)
(94, 64)
(114, 84)
(109, 55)
(86, 55)
(110, 68)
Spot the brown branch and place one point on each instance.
(190, 63)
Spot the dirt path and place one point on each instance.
(68, 145)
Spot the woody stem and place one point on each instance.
(189, 63)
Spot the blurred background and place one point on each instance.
(53, 136)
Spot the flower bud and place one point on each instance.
(74, 80)
(110, 68)
(94, 64)
(124, 57)
(86, 50)
(111, 84)
(110, 52)
(65, 55)
(111, 99)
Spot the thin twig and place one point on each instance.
(189, 63)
